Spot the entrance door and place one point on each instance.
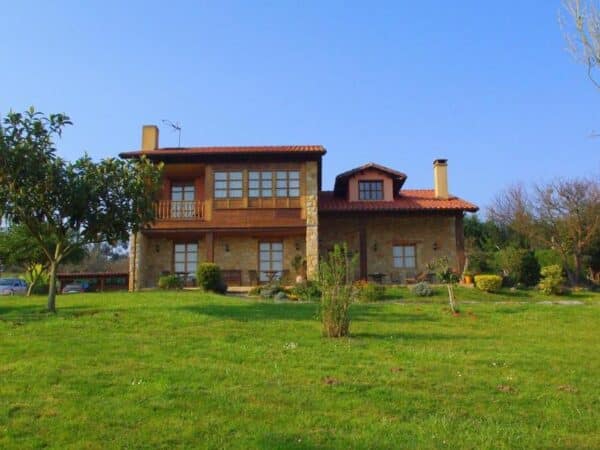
(270, 264)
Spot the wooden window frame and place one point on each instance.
(270, 242)
(402, 258)
(287, 180)
(228, 189)
(370, 184)
(186, 261)
(262, 182)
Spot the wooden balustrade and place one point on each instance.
(179, 210)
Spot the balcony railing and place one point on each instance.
(179, 210)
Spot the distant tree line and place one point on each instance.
(556, 223)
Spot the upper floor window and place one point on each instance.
(287, 183)
(370, 190)
(182, 192)
(404, 256)
(228, 184)
(260, 184)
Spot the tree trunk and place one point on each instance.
(577, 258)
(52, 288)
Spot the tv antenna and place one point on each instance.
(176, 126)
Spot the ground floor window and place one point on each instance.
(270, 260)
(404, 256)
(186, 259)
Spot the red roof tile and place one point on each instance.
(408, 200)
(262, 149)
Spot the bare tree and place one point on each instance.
(582, 32)
(563, 215)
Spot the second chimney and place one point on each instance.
(149, 137)
(440, 178)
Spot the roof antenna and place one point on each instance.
(176, 127)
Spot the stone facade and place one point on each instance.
(241, 253)
(152, 257)
(433, 236)
(312, 220)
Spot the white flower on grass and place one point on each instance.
(134, 382)
(290, 346)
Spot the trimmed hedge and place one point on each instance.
(488, 283)
(209, 278)
(170, 282)
(552, 279)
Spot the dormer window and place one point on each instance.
(370, 190)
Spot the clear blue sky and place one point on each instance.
(488, 85)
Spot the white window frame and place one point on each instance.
(228, 184)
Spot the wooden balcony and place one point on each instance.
(179, 210)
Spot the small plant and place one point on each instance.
(369, 292)
(488, 283)
(552, 279)
(210, 278)
(445, 274)
(306, 291)
(529, 270)
(422, 289)
(170, 282)
(337, 291)
(272, 289)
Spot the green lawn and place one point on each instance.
(188, 370)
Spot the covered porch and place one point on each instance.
(246, 257)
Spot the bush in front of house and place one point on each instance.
(422, 289)
(306, 291)
(170, 282)
(337, 291)
(552, 279)
(210, 278)
(369, 292)
(488, 283)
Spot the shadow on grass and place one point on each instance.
(258, 311)
(410, 336)
(21, 314)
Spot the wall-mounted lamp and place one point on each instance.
(375, 247)
(157, 248)
(226, 248)
(436, 245)
(297, 245)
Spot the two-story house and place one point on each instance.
(256, 210)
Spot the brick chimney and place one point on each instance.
(440, 178)
(149, 137)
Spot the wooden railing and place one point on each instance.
(179, 210)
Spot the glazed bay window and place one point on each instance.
(260, 184)
(404, 256)
(185, 259)
(370, 190)
(287, 183)
(228, 184)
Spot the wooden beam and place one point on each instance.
(210, 247)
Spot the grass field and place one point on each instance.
(189, 370)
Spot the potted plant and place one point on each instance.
(467, 277)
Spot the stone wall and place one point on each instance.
(312, 219)
(153, 257)
(384, 231)
(243, 253)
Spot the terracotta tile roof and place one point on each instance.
(408, 200)
(259, 149)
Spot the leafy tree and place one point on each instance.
(18, 248)
(72, 204)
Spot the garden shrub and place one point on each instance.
(209, 278)
(422, 289)
(529, 269)
(281, 295)
(170, 282)
(307, 291)
(488, 283)
(369, 292)
(337, 291)
(552, 279)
